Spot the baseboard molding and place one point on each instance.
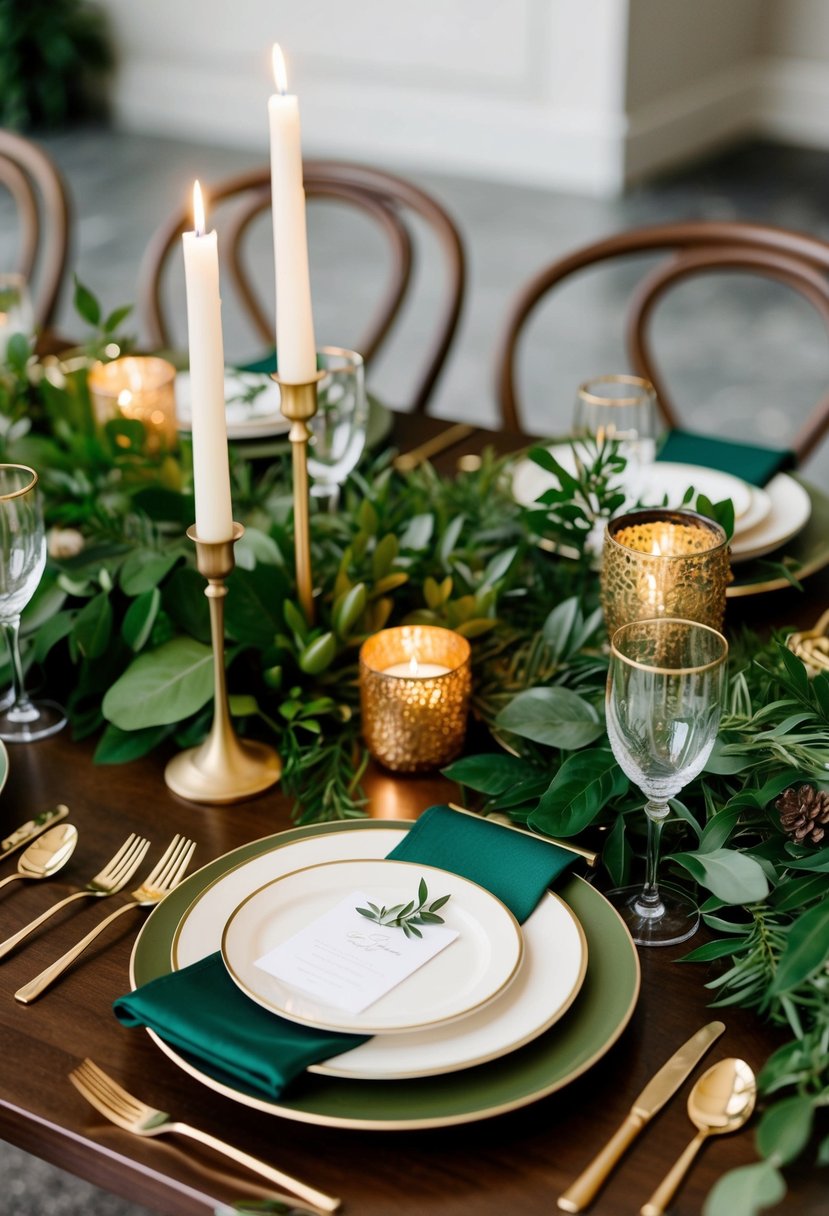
(793, 102)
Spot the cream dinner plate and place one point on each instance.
(789, 513)
(548, 980)
(552, 1060)
(251, 405)
(465, 976)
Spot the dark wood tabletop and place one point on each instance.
(516, 1163)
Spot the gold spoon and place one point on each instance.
(721, 1101)
(46, 855)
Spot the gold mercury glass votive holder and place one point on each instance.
(664, 563)
(415, 683)
(140, 387)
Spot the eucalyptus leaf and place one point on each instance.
(140, 618)
(555, 716)
(162, 686)
(745, 1191)
(493, 773)
(92, 627)
(734, 877)
(785, 1128)
(252, 608)
(807, 948)
(120, 746)
(143, 569)
(581, 788)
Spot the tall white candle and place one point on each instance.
(295, 345)
(211, 474)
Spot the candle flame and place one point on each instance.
(198, 209)
(413, 665)
(280, 73)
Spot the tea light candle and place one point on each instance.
(138, 387)
(415, 683)
(415, 670)
(664, 563)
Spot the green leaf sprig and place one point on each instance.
(408, 916)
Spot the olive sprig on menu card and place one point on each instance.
(408, 916)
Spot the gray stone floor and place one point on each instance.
(744, 357)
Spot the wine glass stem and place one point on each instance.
(21, 708)
(650, 899)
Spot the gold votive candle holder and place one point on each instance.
(661, 562)
(415, 684)
(139, 387)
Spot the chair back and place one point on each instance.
(799, 261)
(42, 204)
(389, 202)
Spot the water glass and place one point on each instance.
(664, 695)
(22, 562)
(338, 429)
(620, 408)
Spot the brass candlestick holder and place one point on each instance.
(224, 768)
(298, 403)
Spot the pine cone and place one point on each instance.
(804, 813)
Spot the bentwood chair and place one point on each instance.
(799, 261)
(391, 204)
(42, 206)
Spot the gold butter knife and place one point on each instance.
(652, 1098)
(34, 827)
(407, 461)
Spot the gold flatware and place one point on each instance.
(652, 1098)
(46, 854)
(114, 1103)
(407, 461)
(166, 875)
(721, 1101)
(112, 878)
(33, 827)
(591, 858)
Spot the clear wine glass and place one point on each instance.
(17, 315)
(622, 408)
(22, 561)
(664, 695)
(338, 429)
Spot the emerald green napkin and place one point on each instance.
(200, 1011)
(751, 462)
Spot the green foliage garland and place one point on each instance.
(119, 626)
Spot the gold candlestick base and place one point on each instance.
(224, 768)
(298, 403)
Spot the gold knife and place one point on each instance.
(28, 831)
(652, 1098)
(407, 461)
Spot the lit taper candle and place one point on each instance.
(211, 475)
(295, 345)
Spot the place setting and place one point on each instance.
(772, 510)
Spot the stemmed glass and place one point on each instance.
(22, 561)
(664, 694)
(17, 314)
(622, 408)
(338, 429)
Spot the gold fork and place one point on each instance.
(167, 874)
(123, 1109)
(112, 878)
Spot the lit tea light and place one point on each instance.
(416, 670)
(138, 387)
(664, 563)
(415, 683)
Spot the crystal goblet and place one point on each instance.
(338, 429)
(22, 561)
(664, 695)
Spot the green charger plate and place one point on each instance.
(591, 1027)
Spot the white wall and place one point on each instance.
(523, 89)
(573, 94)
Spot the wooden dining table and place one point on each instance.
(516, 1163)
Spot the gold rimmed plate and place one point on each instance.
(472, 970)
(588, 1030)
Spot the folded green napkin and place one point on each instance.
(751, 462)
(200, 1011)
